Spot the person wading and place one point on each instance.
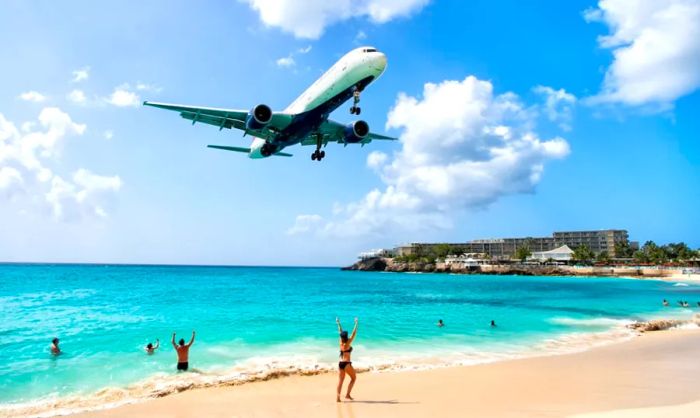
(183, 352)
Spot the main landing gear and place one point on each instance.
(355, 109)
(318, 155)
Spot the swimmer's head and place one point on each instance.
(344, 336)
(182, 341)
(55, 341)
(149, 346)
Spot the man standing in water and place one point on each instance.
(183, 352)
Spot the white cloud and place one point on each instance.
(461, 147)
(360, 36)
(11, 181)
(122, 96)
(25, 158)
(305, 223)
(311, 20)
(558, 105)
(108, 134)
(148, 87)
(81, 74)
(285, 62)
(304, 50)
(376, 159)
(77, 96)
(32, 96)
(655, 47)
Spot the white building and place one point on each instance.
(466, 260)
(563, 253)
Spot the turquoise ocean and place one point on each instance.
(256, 321)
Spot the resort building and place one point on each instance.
(378, 253)
(505, 248)
(597, 241)
(467, 260)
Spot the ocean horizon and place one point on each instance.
(258, 321)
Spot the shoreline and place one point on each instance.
(167, 386)
(611, 271)
(657, 370)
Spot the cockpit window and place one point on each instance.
(369, 50)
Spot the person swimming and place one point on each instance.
(150, 348)
(55, 350)
(493, 323)
(345, 363)
(440, 324)
(665, 302)
(183, 352)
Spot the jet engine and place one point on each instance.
(356, 132)
(258, 117)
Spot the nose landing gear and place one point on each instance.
(355, 109)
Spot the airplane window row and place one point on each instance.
(369, 50)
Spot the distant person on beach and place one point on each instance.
(54, 347)
(150, 348)
(183, 352)
(440, 324)
(493, 323)
(345, 363)
(665, 302)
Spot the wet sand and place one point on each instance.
(657, 374)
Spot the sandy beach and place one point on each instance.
(652, 375)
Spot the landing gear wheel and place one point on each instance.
(352, 110)
(357, 110)
(313, 156)
(322, 154)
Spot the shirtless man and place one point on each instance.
(183, 351)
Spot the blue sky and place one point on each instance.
(609, 139)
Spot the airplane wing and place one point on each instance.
(224, 118)
(333, 131)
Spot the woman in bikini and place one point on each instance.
(345, 363)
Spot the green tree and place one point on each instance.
(678, 251)
(522, 253)
(583, 254)
(441, 250)
(623, 250)
(603, 257)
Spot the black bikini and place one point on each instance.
(343, 364)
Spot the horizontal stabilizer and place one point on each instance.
(235, 149)
(245, 150)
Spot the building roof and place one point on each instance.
(564, 249)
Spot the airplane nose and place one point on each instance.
(379, 62)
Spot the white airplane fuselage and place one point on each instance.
(354, 71)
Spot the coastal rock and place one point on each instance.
(370, 264)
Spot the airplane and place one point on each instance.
(305, 121)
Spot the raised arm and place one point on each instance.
(192, 340)
(340, 328)
(354, 332)
(157, 344)
(173, 341)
